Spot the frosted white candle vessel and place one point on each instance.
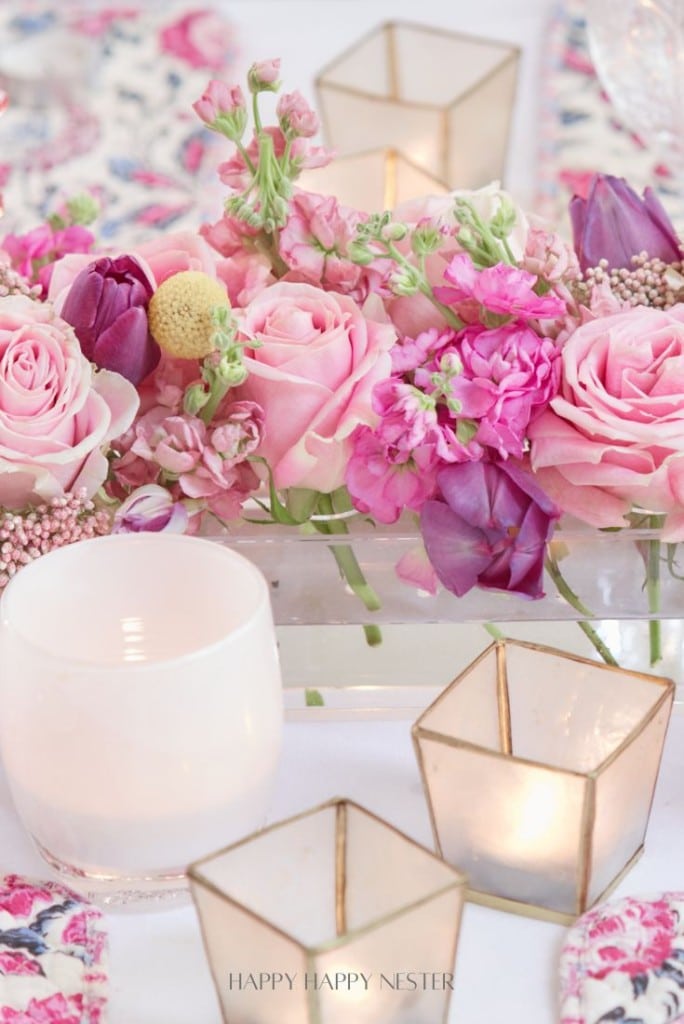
(140, 707)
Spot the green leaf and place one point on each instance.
(313, 699)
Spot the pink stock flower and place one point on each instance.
(264, 72)
(313, 375)
(207, 462)
(613, 437)
(489, 528)
(383, 481)
(34, 253)
(501, 289)
(509, 375)
(295, 116)
(410, 353)
(547, 255)
(218, 99)
(230, 236)
(236, 175)
(244, 275)
(200, 38)
(408, 417)
(56, 415)
(314, 242)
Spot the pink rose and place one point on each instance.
(313, 375)
(56, 414)
(200, 38)
(613, 437)
(173, 253)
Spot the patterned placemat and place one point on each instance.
(579, 130)
(100, 100)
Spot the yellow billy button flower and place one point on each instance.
(180, 313)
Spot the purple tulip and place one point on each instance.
(107, 307)
(613, 223)
(490, 530)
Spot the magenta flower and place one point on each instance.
(107, 307)
(490, 529)
(613, 223)
(501, 289)
(509, 376)
(34, 253)
(383, 481)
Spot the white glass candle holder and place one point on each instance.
(330, 917)
(140, 707)
(442, 99)
(539, 769)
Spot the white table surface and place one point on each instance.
(506, 965)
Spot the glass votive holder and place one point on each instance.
(539, 768)
(377, 180)
(422, 91)
(330, 917)
(140, 708)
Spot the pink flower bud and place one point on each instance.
(222, 108)
(263, 75)
(296, 116)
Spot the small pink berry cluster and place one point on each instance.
(12, 283)
(27, 535)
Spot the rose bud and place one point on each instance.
(107, 307)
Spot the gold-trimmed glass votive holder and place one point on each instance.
(539, 769)
(379, 179)
(422, 91)
(329, 917)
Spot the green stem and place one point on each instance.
(566, 591)
(255, 114)
(653, 593)
(246, 157)
(494, 631)
(424, 286)
(349, 567)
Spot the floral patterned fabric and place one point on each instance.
(112, 114)
(53, 955)
(624, 962)
(580, 133)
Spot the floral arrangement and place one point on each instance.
(298, 360)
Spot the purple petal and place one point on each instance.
(127, 348)
(454, 548)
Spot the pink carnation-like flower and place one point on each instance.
(509, 376)
(501, 289)
(57, 416)
(613, 437)
(383, 481)
(313, 375)
(207, 462)
(314, 242)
